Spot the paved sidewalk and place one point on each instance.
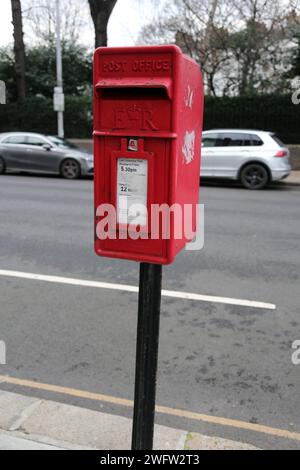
(293, 178)
(29, 423)
(8, 441)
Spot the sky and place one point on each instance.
(127, 19)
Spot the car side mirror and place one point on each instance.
(47, 147)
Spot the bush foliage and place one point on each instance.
(269, 112)
(274, 113)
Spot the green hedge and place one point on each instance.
(275, 113)
(37, 115)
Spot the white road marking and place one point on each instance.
(127, 288)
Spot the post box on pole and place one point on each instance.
(148, 109)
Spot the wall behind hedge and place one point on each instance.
(276, 113)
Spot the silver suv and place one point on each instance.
(255, 158)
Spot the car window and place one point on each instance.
(278, 140)
(209, 140)
(15, 139)
(62, 143)
(231, 139)
(247, 140)
(256, 140)
(37, 141)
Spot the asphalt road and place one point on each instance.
(221, 360)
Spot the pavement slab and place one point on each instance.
(11, 442)
(199, 442)
(14, 408)
(44, 424)
(293, 178)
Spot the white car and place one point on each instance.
(255, 158)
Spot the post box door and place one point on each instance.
(151, 169)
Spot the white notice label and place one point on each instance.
(132, 191)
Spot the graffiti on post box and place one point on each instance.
(134, 116)
(189, 98)
(188, 148)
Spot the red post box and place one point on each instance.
(148, 108)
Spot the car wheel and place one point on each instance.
(2, 166)
(254, 176)
(70, 169)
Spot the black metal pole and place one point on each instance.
(146, 356)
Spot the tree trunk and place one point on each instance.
(101, 11)
(19, 49)
(207, 41)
